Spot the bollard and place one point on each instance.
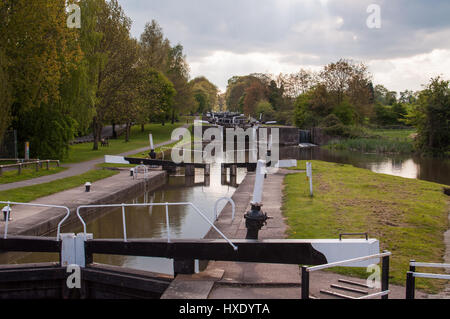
(88, 187)
(255, 219)
(152, 153)
(385, 275)
(305, 283)
(309, 175)
(7, 213)
(410, 285)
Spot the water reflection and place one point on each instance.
(429, 169)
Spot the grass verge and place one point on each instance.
(408, 216)
(12, 176)
(138, 139)
(30, 193)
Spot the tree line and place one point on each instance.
(342, 99)
(58, 82)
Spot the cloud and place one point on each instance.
(243, 36)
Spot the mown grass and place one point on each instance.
(378, 141)
(138, 139)
(30, 193)
(408, 216)
(28, 173)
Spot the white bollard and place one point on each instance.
(259, 183)
(309, 174)
(152, 147)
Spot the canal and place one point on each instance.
(150, 222)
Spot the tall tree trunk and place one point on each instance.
(173, 117)
(114, 133)
(94, 133)
(127, 132)
(142, 127)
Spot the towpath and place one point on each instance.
(73, 169)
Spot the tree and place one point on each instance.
(120, 54)
(158, 54)
(156, 94)
(348, 79)
(304, 116)
(205, 93)
(431, 117)
(265, 108)
(42, 53)
(253, 94)
(155, 47)
(5, 97)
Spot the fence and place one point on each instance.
(38, 165)
(412, 275)
(384, 280)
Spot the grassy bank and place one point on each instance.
(408, 216)
(29, 173)
(83, 152)
(30, 193)
(378, 141)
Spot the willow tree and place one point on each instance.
(42, 51)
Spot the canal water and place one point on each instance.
(150, 222)
(428, 169)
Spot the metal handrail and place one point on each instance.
(233, 205)
(35, 205)
(147, 205)
(431, 276)
(378, 294)
(428, 265)
(343, 262)
(136, 171)
(385, 277)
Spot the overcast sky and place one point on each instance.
(223, 38)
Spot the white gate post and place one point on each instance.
(309, 174)
(68, 249)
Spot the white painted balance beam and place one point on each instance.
(338, 250)
(110, 159)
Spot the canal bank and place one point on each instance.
(38, 221)
(235, 280)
